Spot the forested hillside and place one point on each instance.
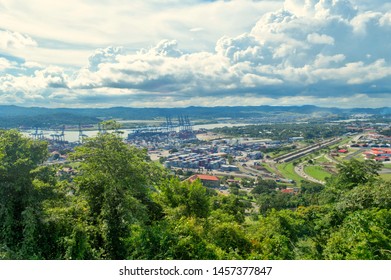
(121, 205)
(15, 116)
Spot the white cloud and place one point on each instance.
(313, 51)
(4, 64)
(386, 20)
(354, 73)
(362, 21)
(15, 89)
(252, 80)
(32, 64)
(70, 27)
(321, 8)
(323, 61)
(315, 38)
(164, 48)
(100, 56)
(196, 29)
(15, 40)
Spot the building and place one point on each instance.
(255, 155)
(343, 151)
(195, 161)
(379, 154)
(294, 139)
(206, 180)
(229, 168)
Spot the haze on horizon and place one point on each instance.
(179, 53)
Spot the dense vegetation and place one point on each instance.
(120, 205)
(45, 121)
(285, 131)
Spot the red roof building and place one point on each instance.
(206, 180)
(379, 154)
(343, 151)
(288, 190)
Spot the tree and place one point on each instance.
(350, 175)
(276, 234)
(264, 186)
(309, 193)
(231, 205)
(231, 238)
(111, 125)
(354, 172)
(184, 198)
(20, 206)
(247, 183)
(364, 234)
(374, 194)
(116, 180)
(162, 159)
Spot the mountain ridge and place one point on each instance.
(14, 116)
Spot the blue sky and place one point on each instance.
(179, 53)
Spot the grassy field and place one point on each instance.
(268, 168)
(74, 165)
(321, 159)
(387, 166)
(386, 177)
(317, 172)
(287, 170)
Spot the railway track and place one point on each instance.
(304, 151)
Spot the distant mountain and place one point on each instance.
(13, 116)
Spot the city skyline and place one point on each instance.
(330, 53)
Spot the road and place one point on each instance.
(253, 171)
(299, 169)
(359, 151)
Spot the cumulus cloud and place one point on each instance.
(164, 48)
(321, 8)
(106, 55)
(137, 24)
(33, 89)
(316, 51)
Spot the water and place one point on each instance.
(218, 125)
(73, 135)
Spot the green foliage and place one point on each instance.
(355, 172)
(19, 198)
(310, 193)
(116, 180)
(374, 194)
(120, 205)
(231, 205)
(276, 234)
(276, 200)
(350, 175)
(364, 234)
(264, 186)
(184, 199)
(231, 238)
(284, 131)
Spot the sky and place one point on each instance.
(180, 53)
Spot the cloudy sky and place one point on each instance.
(179, 53)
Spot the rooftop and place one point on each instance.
(203, 177)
